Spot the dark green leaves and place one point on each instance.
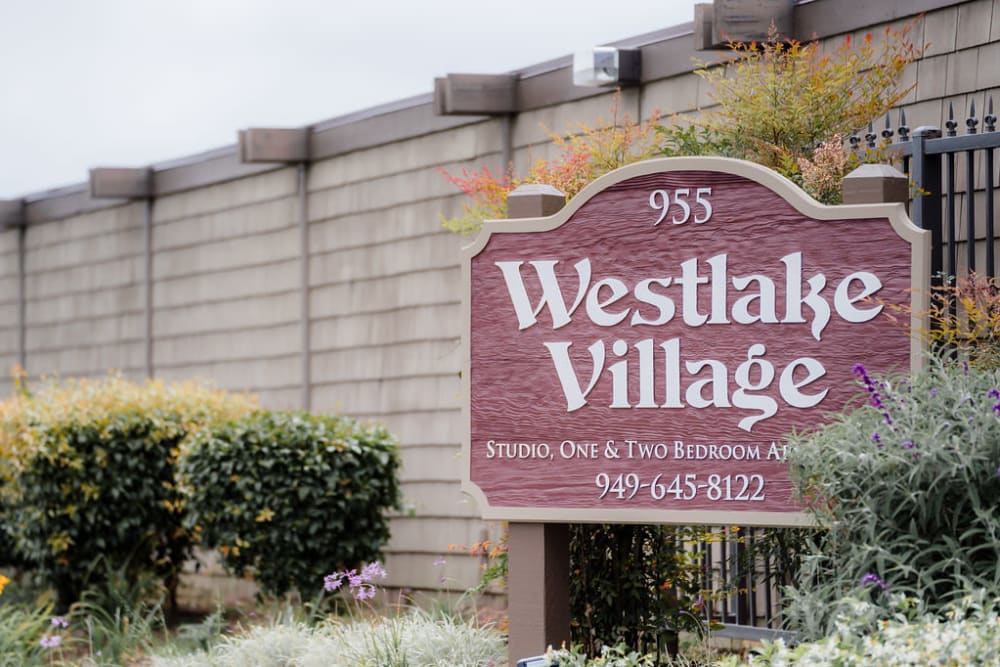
(290, 497)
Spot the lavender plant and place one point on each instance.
(905, 486)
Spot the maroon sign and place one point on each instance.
(642, 355)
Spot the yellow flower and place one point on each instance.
(266, 514)
(3, 582)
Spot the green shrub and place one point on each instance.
(968, 634)
(907, 492)
(634, 585)
(90, 472)
(288, 497)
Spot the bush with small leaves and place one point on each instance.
(906, 487)
(288, 497)
(89, 472)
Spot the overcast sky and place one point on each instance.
(87, 83)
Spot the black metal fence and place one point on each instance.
(744, 573)
(954, 184)
(950, 172)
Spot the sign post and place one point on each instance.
(538, 553)
(641, 355)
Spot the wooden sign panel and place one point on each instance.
(642, 355)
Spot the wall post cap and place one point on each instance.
(534, 200)
(875, 184)
(927, 131)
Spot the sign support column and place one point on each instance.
(538, 572)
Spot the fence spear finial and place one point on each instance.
(990, 118)
(887, 132)
(904, 130)
(870, 135)
(950, 123)
(971, 122)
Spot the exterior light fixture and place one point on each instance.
(606, 66)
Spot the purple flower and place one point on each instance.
(965, 366)
(332, 582)
(357, 582)
(993, 393)
(60, 622)
(998, 472)
(908, 444)
(996, 409)
(373, 570)
(876, 437)
(50, 641)
(872, 578)
(440, 561)
(934, 392)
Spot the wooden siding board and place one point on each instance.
(389, 361)
(375, 396)
(251, 312)
(233, 253)
(231, 284)
(232, 223)
(437, 251)
(403, 290)
(461, 144)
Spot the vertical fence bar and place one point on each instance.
(724, 573)
(970, 193)
(970, 211)
(751, 561)
(989, 125)
(950, 221)
(768, 602)
(926, 173)
(991, 269)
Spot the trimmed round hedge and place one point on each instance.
(88, 475)
(287, 497)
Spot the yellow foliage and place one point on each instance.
(39, 422)
(777, 100)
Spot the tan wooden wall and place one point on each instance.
(383, 275)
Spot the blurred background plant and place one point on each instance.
(89, 472)
(786, 104)
(586, 153)
(283, 496)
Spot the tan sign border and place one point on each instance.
(920, 247)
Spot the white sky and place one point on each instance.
(88, 83)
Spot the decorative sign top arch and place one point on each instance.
(641, 355)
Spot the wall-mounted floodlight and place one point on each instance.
(606, 66)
